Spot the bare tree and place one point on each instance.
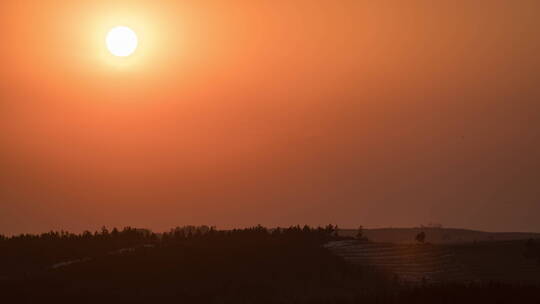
(360, 232)
(421, 237)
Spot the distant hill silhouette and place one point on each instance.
(437, 235)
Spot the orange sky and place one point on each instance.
(235, 113)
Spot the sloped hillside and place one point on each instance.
(415, 263)
(411, 263)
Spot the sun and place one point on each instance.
(121, 41)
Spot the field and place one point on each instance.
(429, 263)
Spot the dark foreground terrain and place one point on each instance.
(203, 265)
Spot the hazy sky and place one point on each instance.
(236, 113)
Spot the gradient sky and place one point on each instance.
(235, 113)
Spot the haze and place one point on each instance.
(236, 113)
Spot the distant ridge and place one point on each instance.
(437, 235)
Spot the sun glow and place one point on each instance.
(121, 41)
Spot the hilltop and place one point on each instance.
(437, 235)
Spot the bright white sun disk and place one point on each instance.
(121, 41)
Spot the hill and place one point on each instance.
(257, 265)
(437, 235)
(512, 262)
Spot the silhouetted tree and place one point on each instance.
(421, 237)
(104, 232)
(360, 232)
(115, 232)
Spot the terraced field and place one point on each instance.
(442, 263)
